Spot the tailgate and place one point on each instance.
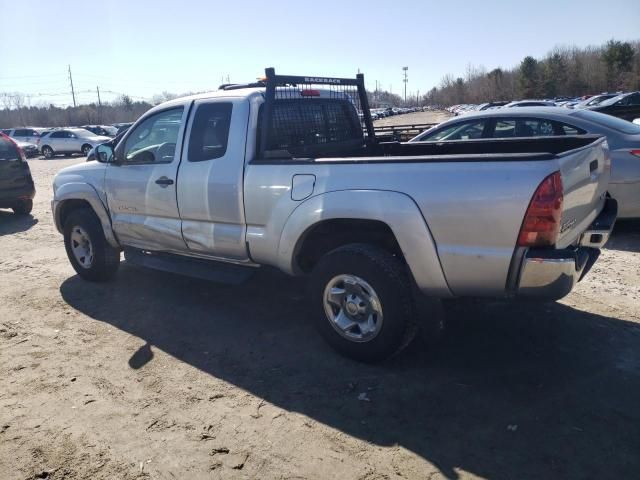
(585, 178)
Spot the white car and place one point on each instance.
(24, 134)
(69, 140)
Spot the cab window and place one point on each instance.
(154, 140)
(210, 131)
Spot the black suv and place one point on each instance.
(16, 185)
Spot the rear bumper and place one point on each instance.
(552, 274)
(9, 197)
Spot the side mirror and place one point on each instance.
(104, 153)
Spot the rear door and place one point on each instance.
(141, 187)
(11, 169)
(32, 136)
(210, 187)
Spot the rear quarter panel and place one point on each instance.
(473, 210)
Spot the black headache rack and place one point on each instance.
(302, 89)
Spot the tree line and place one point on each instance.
(565, 71)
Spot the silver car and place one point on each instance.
(69, 140)
(623, 138)
(24, 134)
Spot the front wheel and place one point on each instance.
(363, 302)
(87, 248)
(47, 152)
(86, 149)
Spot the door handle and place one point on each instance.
(164, 181)
(593, 166)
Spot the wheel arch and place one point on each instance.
(72, 196)
(392, 218)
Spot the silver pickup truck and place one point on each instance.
(286, 172)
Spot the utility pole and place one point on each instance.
(73, 93)
(405, 80)
(98, 90)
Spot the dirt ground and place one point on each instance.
(163, 377)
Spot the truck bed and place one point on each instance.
(504, 149)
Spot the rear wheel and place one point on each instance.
(87, 248)
(47, 151)
(23, 207)
(86, 148)
(363, 302)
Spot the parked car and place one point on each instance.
(16, 184)
(377, 227)
(485, 106)
(623, 138)
(625, 106)
(69, 140)
(30, 149)
(530, 103)
(24, 134)
(122, 127)
(102, 130)
(595, 100)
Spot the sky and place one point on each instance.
(144, 47)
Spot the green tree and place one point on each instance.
(528, 77)
(618, 59)
(555, 76)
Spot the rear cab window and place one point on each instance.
(210, 131)
(312, 127)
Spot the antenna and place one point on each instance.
(405, 80)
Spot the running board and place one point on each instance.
(211, 270)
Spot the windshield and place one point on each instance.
(609, 121)
(81, 132)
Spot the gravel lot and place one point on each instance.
(164, 377)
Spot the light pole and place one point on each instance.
(405, 80)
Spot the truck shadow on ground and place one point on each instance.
(626, 236)
(12, 223)
(513, 390)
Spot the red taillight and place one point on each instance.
(310, 93)
(541, 224)
(635, 152)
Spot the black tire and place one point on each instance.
(47, 151)
(23, 207)
(106, 259)
(389, 277)
(86, 148)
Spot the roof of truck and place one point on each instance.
(242, 92)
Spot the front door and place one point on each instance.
(141, 184)
(58, 141)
